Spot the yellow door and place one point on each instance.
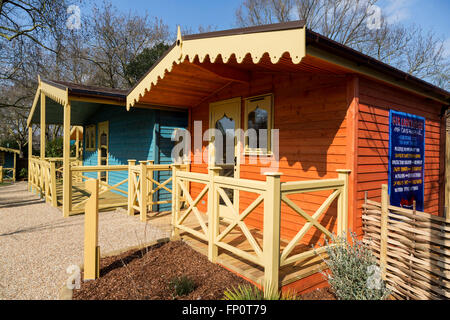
(225, 116)
(103, 138)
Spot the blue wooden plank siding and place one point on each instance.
(139, 134)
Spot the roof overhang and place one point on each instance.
(197, 66)
(9, 150)
(83, 99)
(223, 48)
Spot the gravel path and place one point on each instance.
(37, 244)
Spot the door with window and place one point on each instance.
(103, 138)
(225, 116)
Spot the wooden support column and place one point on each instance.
(144, 192)
(343, 204)
(30, 155)
(271, 232)
(175, 203)
(1, 174)
(67, 177)
(15, 168)
(447, 174)
(383, 233)
(150, 185)
(352, 119)
(213, 215)
(77, 143)
(53, 184)
(43, 126)
(131, 186)
(91, 248)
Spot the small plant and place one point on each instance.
(23, 173)
(249, 292)
(354, 273)
(182, 285)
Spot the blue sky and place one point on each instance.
(430, 14)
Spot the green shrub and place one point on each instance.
(249, 292)
(182, 285)
(23, 173)
(353, 271)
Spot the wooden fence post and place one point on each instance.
(131, 186)
(447, 174)
(144, 192)
(46, 174)
(150, 184)
(53, 183)
(271, 231)
(213, 215)
(30, 156)
(1, 174)
(67, 176)
(175, 203)
(383, 227)
(91, 248)
(343, 203)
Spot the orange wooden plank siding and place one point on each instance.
(375, 100)
(310, 112)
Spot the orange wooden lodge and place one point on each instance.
(262, 214)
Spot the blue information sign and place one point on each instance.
(406, 159)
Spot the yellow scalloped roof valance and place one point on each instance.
(255, 42)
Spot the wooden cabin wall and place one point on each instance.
(310, 112)
(375, 100)
(9, 160)
(139, 134)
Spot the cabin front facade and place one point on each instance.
(287, 133)
(259, 212)
(103, 136)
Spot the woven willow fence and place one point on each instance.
(413, 249)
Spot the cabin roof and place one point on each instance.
(85, 101)
(9, 150)
(288, 47)
(87, 90)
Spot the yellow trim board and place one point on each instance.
(9, 150)
(33, 107)
(274, 43)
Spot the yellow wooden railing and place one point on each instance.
(142, 193)
(42, 179)
(43, 175)
(79, 171)
(271, 193)
(140, 196)
(7, 174)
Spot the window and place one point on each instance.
(258, 124)
(90, 138)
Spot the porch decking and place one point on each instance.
(107, 200)
(249, 270)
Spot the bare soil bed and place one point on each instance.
(146, 274)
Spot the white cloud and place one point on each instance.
(397, 10)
